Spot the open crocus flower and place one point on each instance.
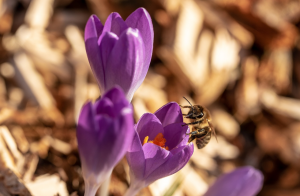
(105, 130)
(120, 51)
(159, 147)
(244, 181)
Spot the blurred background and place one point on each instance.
(239, 58)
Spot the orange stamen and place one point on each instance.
(159, 140)
(145, 140)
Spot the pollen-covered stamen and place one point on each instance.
(145, 140)
(159, 140)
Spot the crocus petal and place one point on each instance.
(117, 97)
(128, 53)
(123, 133)
(105, 106)
(106, 43)
(245, 181)
(172, 165)
(141, 20)
(87, 140)
(149, 125)
(135, 158)
(174, 134)
(155, 156)
(93, 29)
(169, 113)
(114, 23)
(86, 118)
(103, 136)
(185, 139)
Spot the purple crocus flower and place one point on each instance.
(244, 181)
(159, 147)
(120, 51)
(104, 133)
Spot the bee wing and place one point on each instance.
(213, 130)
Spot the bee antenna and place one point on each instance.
(189, 103)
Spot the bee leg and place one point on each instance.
(186, 106)
(192, 123)
(191, 138)
(192, 133)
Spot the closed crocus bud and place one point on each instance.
(104, 132)
(120, 51)
(244, 181)
(159, 147)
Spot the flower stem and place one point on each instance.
(133, 190)
(90, 190)
(103, 190)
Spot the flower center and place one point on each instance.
(159, 140)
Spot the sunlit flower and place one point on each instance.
(120, 51)
(244, 181)
(159, 147)
(104, 132)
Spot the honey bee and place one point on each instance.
(201, 123)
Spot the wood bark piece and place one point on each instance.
(44, 56)
(221, 148)
(32, 83)
(20, 138)
(5, 114)
(193, 184)
(153, 97)
(268, 28)
(218, 18)
(224, 122)
(247, 94)
(39, 13)
(161, 186)
(81, 64)
(31, 163)
(6, 159)
(47, 185)
(283, 142)
(10, 142)
(282, 105)
(10, 184)
(203, 160)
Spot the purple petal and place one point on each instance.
(245, 181)
(172, 165)
(174, 134)
(149, 125)
(169, 113)
(114, 23)
(86, 117)
(105, 106)
(117, 97)
(141, 20)
(93, 29)
(119, 138)
(135, 157)
(106, 44)
(125, 62)
(185, 139)
(88, 144)
(155, 156)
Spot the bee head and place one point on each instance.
(195, 112)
